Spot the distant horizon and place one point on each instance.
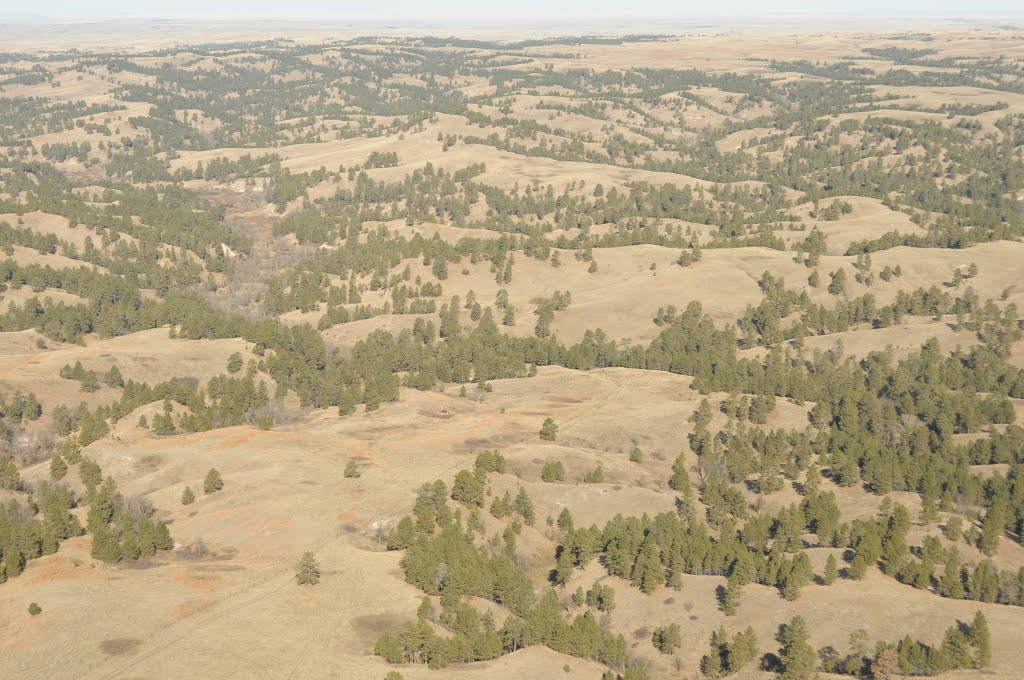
(405, 12)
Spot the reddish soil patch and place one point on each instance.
(188, 608)
(204, 581)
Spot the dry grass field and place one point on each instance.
(266, 239)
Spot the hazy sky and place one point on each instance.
(398, 10)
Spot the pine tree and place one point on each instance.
(163, 424)
(992, 528)
(831, 571)
(548, 430)
(797, 655)
(104, 544)
(858, 567)
(743, 650)
(187, 496)
(564, 521)
(680, 480)
(213, 481)
(523, 505)
(468, 489)
(93, 429)
(838, 283)
(637, 670)
(91, 476)
(812, 481)
(984, 582)
(58, 468)
(101, 507)
(980, 639)
(952, 584)
(648, 571)
(553, 471)
(352, 470)
(235, 362)
(14, 561)
(730, 597)
(667, 639)
(307, 571)
(595, 476)
(712, 664)
(956, 648)
(930, 501)
(113, 378)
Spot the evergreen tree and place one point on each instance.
(831, 571)
(468, 488)
(553, 471)
(58, 468)
(711, 663)
(213, 481)
(91, 476)
(680, 480)
(113, 378)
(992, 528)
(797, 655)
(743, 650)
(953, 528)
(956, 649)
(523, 505)
(952, 584)
(187, 496)
(307, 571)
(548, 430)
(637, 670)
(812, 481)
(14, 561)
(564, 521)
(981, 640)
(730, 596)
(104, 544)
(838, 284)
(858, 567)
(648, 572)
(667, 639)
